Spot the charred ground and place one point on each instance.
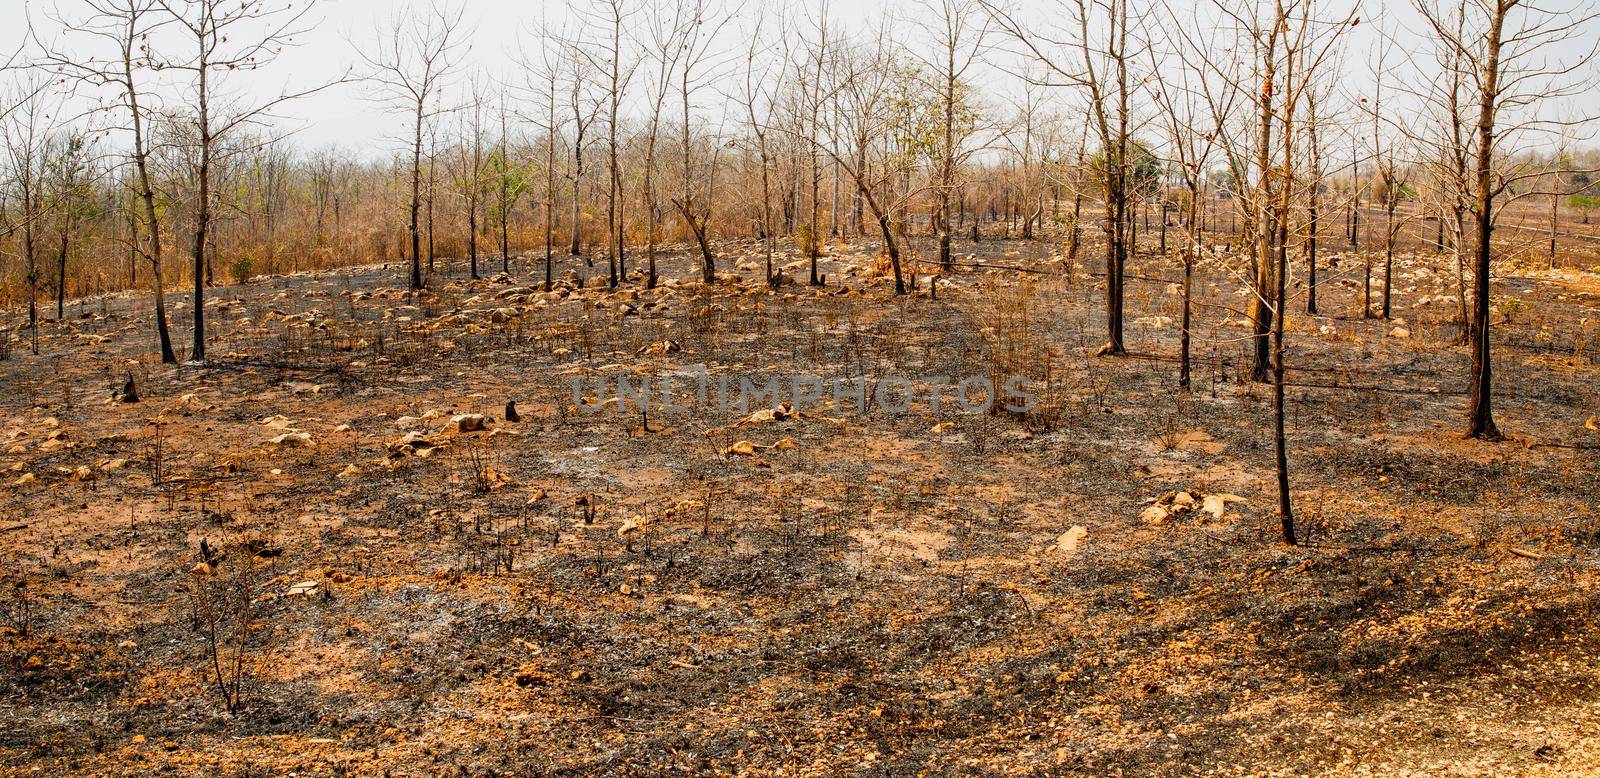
(891, 594)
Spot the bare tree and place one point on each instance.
(1392, 185)
(511, 181)
(227, 36)
(432, 189)
(411, 60)
(759, 95)
(667, 26)
(1314, 132)
(1511, 51)
(956, 29)
(1027, 138)
(1194, 108)
(811, 100)
(1281, 48)
(702, 26)
(543, 78)
(608, 57)
(1558, 181)
(124, 27)
(585, 110)
(1096, 52)
(32, 119)
(1281, 52)
(68, 162)
(471, 168)
(863, 84)
(1453, 161)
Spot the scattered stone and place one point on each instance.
(661, 348)
(1070, 540)
(276, 421)
(783, 411)
(745, 448)
(304, 588)
(470, 422)
(413, 444)
(292, 439)
(1217, 504)
(1178, 503)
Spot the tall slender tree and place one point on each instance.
(1518, 55)
(123, 29)
(411, 60)
(956, 30)
(224, 36)
(1095, 53)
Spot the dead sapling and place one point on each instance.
(478, 460)
(223, 603)
(589, 504)
(966, 545)
(19, 609)
(505, 550)
(705, 513)
(156, 457)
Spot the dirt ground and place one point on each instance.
(879, 593)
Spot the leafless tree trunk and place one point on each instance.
(957, 28)
(1195, 109)
(1393, 176)
(1517, 56)
(544, 77)
(698, 40)
(411, 61)
(617, 74)
(667, 34)
(581, 120)
(1100, 68)
(124, 26)
(470, 170)
(1313, 131)
(510, 183)
(760, 89)
(68, 167)
(28, 127)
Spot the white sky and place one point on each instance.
(345, 116)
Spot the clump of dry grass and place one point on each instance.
(1018, 347)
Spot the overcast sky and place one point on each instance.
(345, 116)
